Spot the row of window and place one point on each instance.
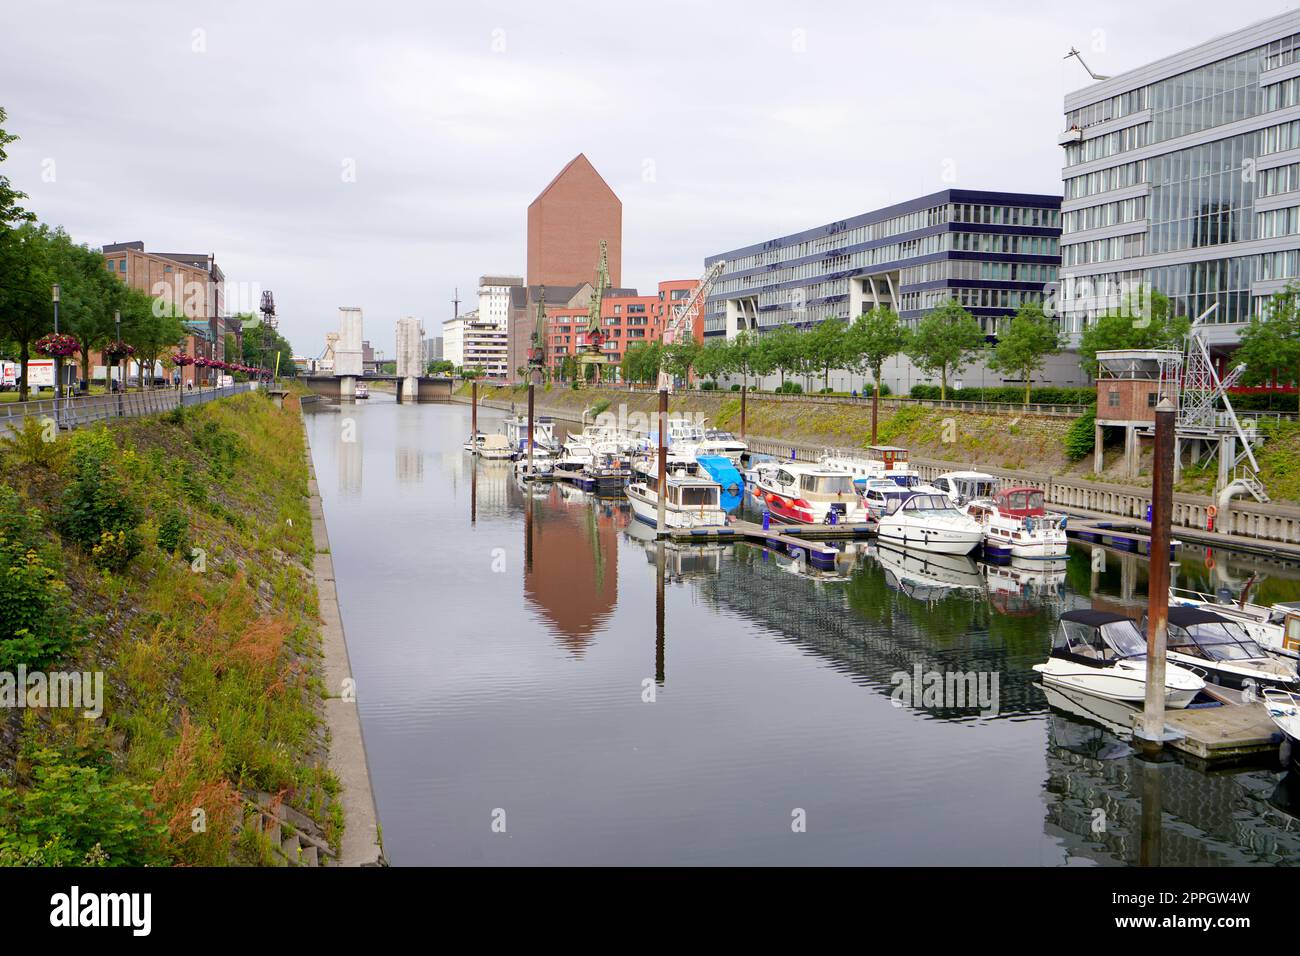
(1005, 244)
(863, 258)
(1109, 144)
(1106, 214)
(1036, 272)
(1275, 139)
(1113, 107)
(1278, 96)
(842, 237)
(1105, 180)
(1103, 250)
(1278, 180)
(1281, 52)
(1277, 222)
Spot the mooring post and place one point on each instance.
(662, 484)
(473, 488)
(530, 429)
(659, 611)
(473, 416)
(1152, 729)
(743, 389)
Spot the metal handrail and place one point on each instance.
(87, 409)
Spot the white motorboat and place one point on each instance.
(1103, 654)
(541, 467)
(808, 494)
(516, 431)
(876, 495)
(600, 434)
(474, 442)
(1016, 525)
(965, 486)
(887, 462)
(1219, 648)
(363, 391)
(494, 448)
(721, 443)
(1284, 710)
(1276, 628)
(929, 522)
(690, 499)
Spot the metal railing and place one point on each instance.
(87, 409)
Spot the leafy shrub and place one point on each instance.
(789, 388)
(36, 443)
(173, 530)
(71, 813)
(1080, 437)
(709, 386)
(735, 388)
(34, 624)
(99, 500)
(1010, 394)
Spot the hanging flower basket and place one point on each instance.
(201, 362)
(57, 345)
(116, 351)
(181, 359)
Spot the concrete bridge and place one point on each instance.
(429, 388)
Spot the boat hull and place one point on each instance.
(646, 509)
(1122, 686)
(934, 540)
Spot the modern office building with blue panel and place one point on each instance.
(1184, 175)
(990, 251)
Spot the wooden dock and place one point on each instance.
(793, 540)
(1232, 732)
(1121, 534)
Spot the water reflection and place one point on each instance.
(507, 638)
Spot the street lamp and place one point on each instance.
(58, 362)
(117, 344)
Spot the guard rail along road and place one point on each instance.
(87, 409)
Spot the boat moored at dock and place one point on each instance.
(1103, 654)
(929, 522)
(1016, 525)
(808, 494)
(1220, 648)
(516, 431)
(691, 500)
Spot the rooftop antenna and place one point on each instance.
(1077, 55)
(455, 304)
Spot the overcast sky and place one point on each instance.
(383, 153)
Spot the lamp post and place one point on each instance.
(117, 343)
(58, 362)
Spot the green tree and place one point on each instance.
(748, 357)
(945, 342)
(1272, 340)
(679, 358)
(713, 359)
(88, 294)
(785, 350)
(154, 329)
(1024, 342)
(1134, 324)
(442, 367)
(26, 278)
(872, 340)
(826, 347)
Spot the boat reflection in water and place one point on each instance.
(927, 576)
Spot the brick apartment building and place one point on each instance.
(566, 223)
(625, 319)
(193, 280)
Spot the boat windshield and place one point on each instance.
(1219, 640)
(1111, 641)
(929, 503)
(906, 481)
(826, 484)
(975, 487)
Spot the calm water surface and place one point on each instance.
(505, 641)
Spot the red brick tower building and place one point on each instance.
(566, 223)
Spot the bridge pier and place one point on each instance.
(348, 388)
(408, 389)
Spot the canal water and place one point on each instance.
(540, 683)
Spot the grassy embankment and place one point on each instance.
(173, 554)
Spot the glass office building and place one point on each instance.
(1184, 175)
(990, 251)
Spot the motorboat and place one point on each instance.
(1103, 654)
(683, 436)
(474, 442)
(1016, 525)
(880, 461)
(753, 461)
(1221, 649)
(363, 391)
(599, 433)
(494, 448)
(539, 466)
(929, 522)
(877, 493)
(718, 443)
(966, 486)
(723, 470)
(691, 500)
(1275, 627)
(803, 493)
(606, 473)
(516, 431)
(1283, 708)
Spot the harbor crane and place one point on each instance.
(682, 321)
(537, 353)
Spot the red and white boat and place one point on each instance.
(802, 493)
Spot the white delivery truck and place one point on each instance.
(9, 372)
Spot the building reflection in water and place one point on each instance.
(571, 562)
(350, 453)
(407, 451)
